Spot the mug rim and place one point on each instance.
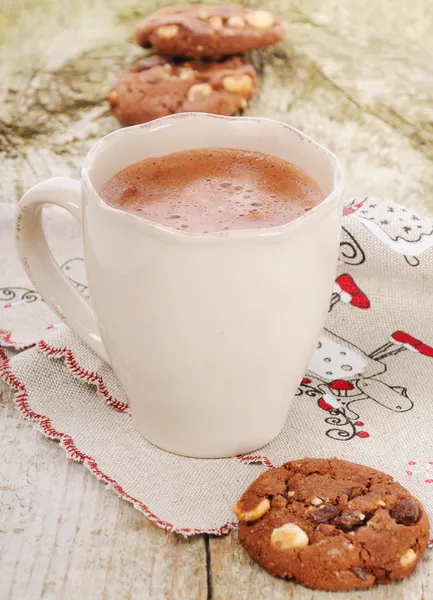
(317, 211)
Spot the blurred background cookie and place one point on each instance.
(197, 31)
(157, 87)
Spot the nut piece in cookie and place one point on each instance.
(238, 85)
(157, 87)
(289, 537)
(166, 32)
(213, 31)
(199, 89)
(253, 514)
(333, 525)
(260, 19)
(408, 558)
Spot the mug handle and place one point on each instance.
(39, 263)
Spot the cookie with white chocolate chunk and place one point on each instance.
(331, 524)
(196, 31)
(157, 87)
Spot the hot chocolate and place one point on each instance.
(213, 189)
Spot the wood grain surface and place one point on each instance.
(357, 75)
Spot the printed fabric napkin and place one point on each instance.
(366, 395)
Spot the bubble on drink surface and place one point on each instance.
(225, 184)
(238, 188)
(256, 203)
(273, 196)
(174, 216)
(129, 192)
(307, 208)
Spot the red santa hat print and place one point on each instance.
(400, 341)
(347, 291)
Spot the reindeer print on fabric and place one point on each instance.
(341, 377)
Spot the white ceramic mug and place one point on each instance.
(209, 334)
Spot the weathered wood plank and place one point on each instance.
(235, 576)
(65, 535)
(357, 77)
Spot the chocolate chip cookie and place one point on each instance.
(196, 31)
(332, 524)
(157, 87)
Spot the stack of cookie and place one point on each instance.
(195, 67)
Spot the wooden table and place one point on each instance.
(355, 75)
